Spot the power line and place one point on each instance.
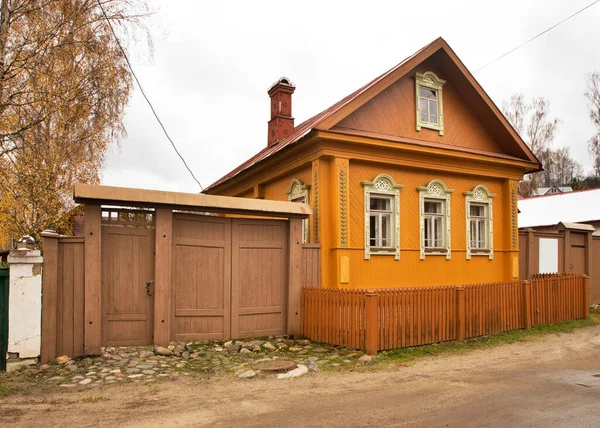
(540, 34)
(146, 97)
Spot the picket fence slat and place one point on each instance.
(418, 316)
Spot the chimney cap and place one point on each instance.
(282, 81)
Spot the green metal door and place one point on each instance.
(3, 317)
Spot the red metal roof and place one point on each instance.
(305, 127)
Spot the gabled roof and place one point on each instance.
(571, 207)
(544, 190)
(334, 114)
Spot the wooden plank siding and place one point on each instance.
(382, 271)
(392, 112)
(62, 297)
(419, 316)
(311, 265)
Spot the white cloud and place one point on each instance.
(214, 61)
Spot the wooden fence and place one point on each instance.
(63, 298)
(377, 320)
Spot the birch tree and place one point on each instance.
(533, 123)
(593, 96)
(64, 85)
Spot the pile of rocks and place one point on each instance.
(205, 358)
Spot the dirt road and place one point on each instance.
(550, 382)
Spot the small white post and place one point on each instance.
(24, 305)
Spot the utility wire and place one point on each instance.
(535, 37)
(145, 96)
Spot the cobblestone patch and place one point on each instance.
(235, 358)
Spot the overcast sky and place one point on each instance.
(214, 61)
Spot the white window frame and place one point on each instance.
(480, 195)
(431, 81)
(433, 225)
(436, 190)
(298, 192)
(383, 185)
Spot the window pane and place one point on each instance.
(433, 207)
(473, 231)
(386, 230)
(477, 210)
(373, 230)
(424, 110)
(427, 93)
(301, 199)
(380, 204)
(439, 232)
(428, 232)
(433, 111)
(481, 234)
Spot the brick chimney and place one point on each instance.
(281, 124)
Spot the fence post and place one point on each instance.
(3, 317)
(295, 278)
(527, 303)
(25, 304)
(163, 247)
(372, 330)
(460, 314)
(586, 296)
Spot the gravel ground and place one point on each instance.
(552, 381)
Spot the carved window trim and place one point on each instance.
(437, 190)
(482, 196)
(298, 192)
(431, 81)
(383, 185)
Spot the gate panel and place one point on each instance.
(259, 277)
(127, 267)
(201, 278)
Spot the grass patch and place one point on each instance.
(5, 389)
(406, 355)
(93, 399)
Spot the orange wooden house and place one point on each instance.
(412, 179)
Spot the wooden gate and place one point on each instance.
(259, 278)
(229, 277)
(127, 277)
(152, 274)
(201, 277)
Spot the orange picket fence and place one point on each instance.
(376, 320)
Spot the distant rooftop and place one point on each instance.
(551, 190)
(550, 209)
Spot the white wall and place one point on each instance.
(548, 255)
(25, 303)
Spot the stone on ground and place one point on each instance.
(63, 359)
(299, 371)
(247, 374)
(269, 346)
(159, 350)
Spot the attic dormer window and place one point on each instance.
(429, 101)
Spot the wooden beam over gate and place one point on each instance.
(123, 196)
